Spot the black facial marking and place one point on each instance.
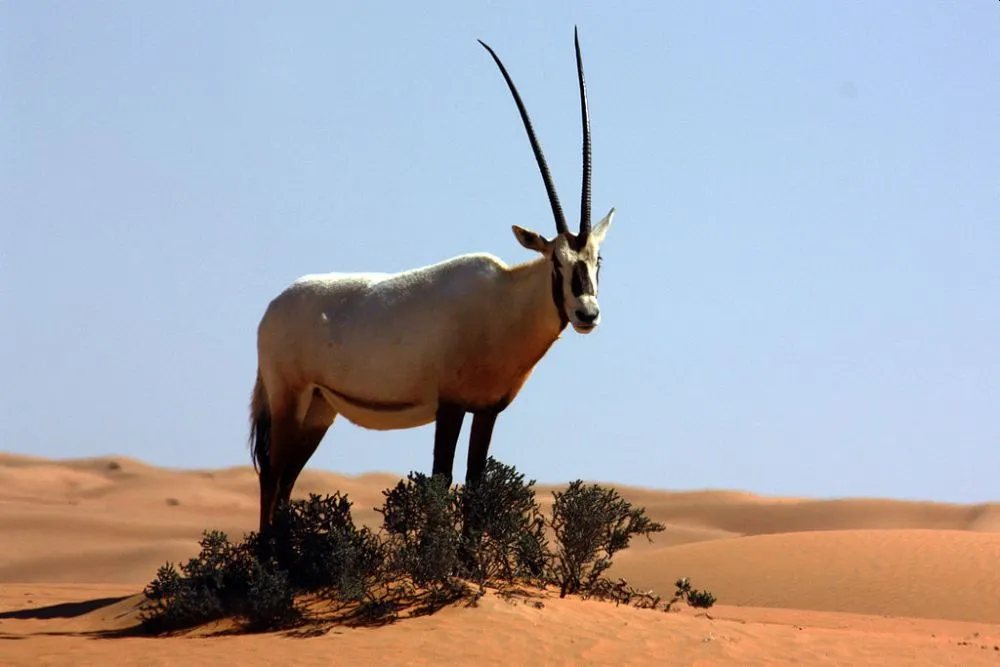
(580, 281)
(557, 293)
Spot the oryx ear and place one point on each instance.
(531, 240)
(601, 228)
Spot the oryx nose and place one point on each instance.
(588, 317)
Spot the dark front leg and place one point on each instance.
(447, 428)
(479, 445)
(472, 510)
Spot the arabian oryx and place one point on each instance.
(430, 344)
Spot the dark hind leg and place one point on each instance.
(284, 439)
(448, 427)
(292, 445)
(308, 441)
(268, 490)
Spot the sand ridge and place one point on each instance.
(819, 581)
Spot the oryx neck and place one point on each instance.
(538, 286)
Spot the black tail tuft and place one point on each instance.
(260, 430)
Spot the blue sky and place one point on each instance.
(801, 290)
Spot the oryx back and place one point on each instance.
(383, 349)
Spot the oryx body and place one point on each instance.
(402, 350)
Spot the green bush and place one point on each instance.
(504, 530)
(270, 599)
(223, 580)
(317, 543)
(422, 522)
(591, 524)
(694, 597)
(433, 540)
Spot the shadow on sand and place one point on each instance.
(72, 610)
(319, 618)
(62, 610)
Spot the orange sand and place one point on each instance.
(799, 581)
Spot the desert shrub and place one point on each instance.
(503, 527)
(693, 596)
(314, 548)
(223, 580)
(173, 603)
(621, 592)
(269, 601)
(591, 524)
(433, 539)
(421, 520)
(317, 543)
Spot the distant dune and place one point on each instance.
(818, 581)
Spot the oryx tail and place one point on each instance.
(260, 428)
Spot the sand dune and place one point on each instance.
(904, 572)
(63, 625)
(818, 581)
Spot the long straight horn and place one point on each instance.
(585, 188)
(543, 167)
